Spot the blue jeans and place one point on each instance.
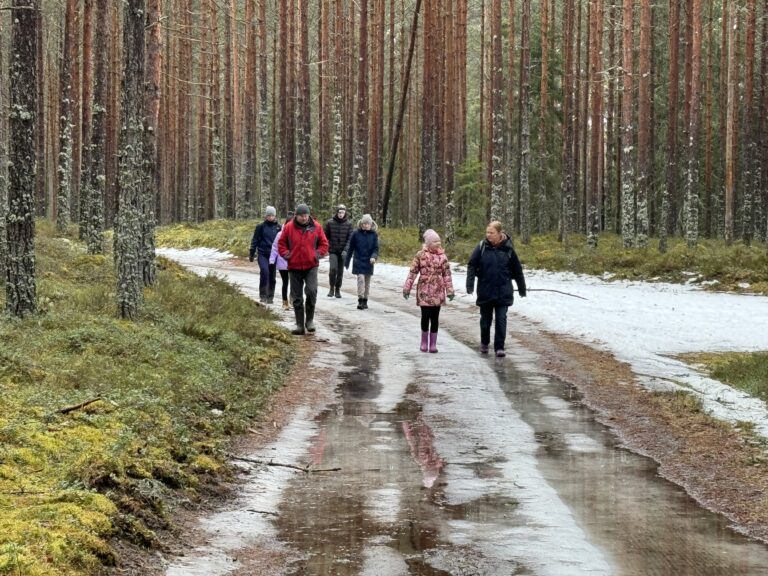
(486, 319)
(267, 277)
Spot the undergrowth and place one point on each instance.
(747, 371)
(167, 394)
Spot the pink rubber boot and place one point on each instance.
(433, 342)
(424, 341)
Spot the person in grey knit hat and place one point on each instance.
(338, 230)
(261, 245)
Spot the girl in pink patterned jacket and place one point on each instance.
(431, 266)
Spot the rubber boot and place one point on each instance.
(360, 304)
(433, 342)
(299, 330)
(310, 324)
(424, 341)
(338, 293)
(365, 303)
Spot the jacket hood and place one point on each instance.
(374, 226)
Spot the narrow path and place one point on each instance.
(454, 463)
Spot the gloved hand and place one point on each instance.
(523, 294)
(344, 255)
(287, 255)
(373, 260)
(250, 257)
(405, 294)
(451, 297)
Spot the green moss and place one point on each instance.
(69, 482)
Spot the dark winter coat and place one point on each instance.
(302, 245)
(495, 267)
(338, 231)
(363, 245)
(263, 237)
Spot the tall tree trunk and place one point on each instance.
(595, 76)
(669, 194)
(3, 167)
(128, 225)
(496, 143)
(644, 126)
(525, 122)
(86, 114)
(733, 78)
(692, 172)
(250, 113)
(41, 202)
(151, 184)
(569, 111)
(94, 220)
(628, 191)
(20, 282)
(266, 192)
(304, 127)
(543, 160)
(359, 184)
(748, 143)
(64, 172)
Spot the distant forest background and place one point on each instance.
(646, 118)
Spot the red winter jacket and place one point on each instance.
(302, 246)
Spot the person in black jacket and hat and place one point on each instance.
(261, 247)
(495, 264)
(338, 230)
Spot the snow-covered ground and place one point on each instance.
(643, 324)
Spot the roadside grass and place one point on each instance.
(169, 391)
(747, 371)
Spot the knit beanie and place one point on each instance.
(366, 219)
(270, 211)
(302, 209)
(431, 237)
(341, 207)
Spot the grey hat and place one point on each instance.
(270, 211)
(341, 207)
(302, 209)
(366, 219)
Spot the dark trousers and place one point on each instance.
(267, 277)
(487, 312)
(286, 283)
(336, 272)
(304, 294)
(430, 315)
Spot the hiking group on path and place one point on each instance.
(295, 249)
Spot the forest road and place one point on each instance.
(453, 463)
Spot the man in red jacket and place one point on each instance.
(302, 244)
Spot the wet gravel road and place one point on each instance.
(452, 463)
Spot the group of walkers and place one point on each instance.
(295, 249)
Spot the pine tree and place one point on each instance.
(128, 229)
(628, 230)
(20, 282)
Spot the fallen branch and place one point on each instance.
(552, 290)
(80, 406)
(305, 469)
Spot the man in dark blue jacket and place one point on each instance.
(338, 230)
(495, 264)
(261, 246)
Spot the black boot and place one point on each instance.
(338, 293)
(310, 311)
(365, 303)
(360, 304)
(299, 330)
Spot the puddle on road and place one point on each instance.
(646, 525)
(385, 514)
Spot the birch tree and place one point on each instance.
(20, 282)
